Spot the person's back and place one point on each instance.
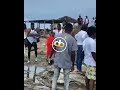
(80, 36)
(63, 59)
(89, 66)
(89, 44)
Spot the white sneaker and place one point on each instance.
(36, 60)
(28, 61)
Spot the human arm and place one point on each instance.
(52, 52)
(76, 36)
(74, 49)
(93, 50)
(73, 59)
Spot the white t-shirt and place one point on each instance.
(89, 45)
(92, 23)
(80, 37)
(86, 21)
(57, 34)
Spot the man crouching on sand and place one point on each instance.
(65, 59)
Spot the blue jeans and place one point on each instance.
(80, 57)
(56, 76)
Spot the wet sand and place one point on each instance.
(38, 75)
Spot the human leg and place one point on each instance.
(78, 57)
(91, 76)
(66, 78)
(35, 49)
(55, 77)
(29, 50)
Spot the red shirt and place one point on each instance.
(49, 45)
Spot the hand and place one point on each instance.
(49, 59)
(72, 68)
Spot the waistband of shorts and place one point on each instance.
(89, 65)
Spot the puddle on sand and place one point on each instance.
(31, 71)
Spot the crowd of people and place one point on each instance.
(84, 43)
(86, 54)
(86, 21)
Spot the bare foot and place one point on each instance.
(28, 61)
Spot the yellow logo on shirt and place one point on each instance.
(59, 44)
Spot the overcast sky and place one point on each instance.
(53, 9)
